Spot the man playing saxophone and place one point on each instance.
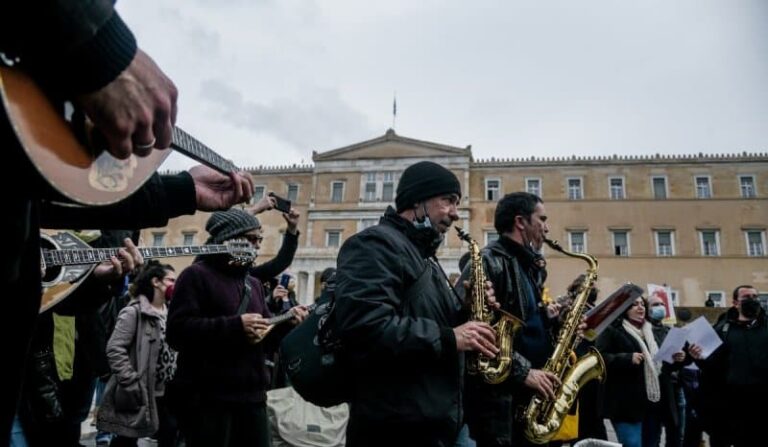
(516, 269)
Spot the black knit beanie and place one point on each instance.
(224, 225)
(424, 180)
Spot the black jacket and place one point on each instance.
(625, 398)
(396, 326)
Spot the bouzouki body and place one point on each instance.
(81, 173)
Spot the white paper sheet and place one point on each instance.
(673, 343)
(703, 334)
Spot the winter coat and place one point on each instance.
(128, 407)
(396, 313)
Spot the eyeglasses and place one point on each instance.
(252, 238)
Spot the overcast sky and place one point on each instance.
(265, 82)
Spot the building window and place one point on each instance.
(337, 192)
(665, 243)
(365, 223)
(189, 238)
(717, 297)
(575, 191)
(710, 242)
(333, 238)
(491, 236)
(258, 193)
(747, 183)
(293, 192)
(703, 187)
(755, 243)
(370, 191)
(577, 240)
(617, 188)
(659, 185)
(379, 186)
(492, 189)
(158, 239)
(533, 186)
(675, 295)
(621, 243)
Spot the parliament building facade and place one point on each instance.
(696, 223)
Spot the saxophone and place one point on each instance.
(493, 370)
(543, 417)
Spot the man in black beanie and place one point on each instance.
(215, 323)
(401, 326)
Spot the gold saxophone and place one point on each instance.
(543, 417)
(493, 370)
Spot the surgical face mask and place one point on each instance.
(169, 292)
(657, 313)
(426, 222)
(750, 308)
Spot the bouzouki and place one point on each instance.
(66, 261)
(282, 318)
(83, 174)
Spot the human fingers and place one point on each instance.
(126, 261)
(486, 332)
(133, 251)
(117, 266)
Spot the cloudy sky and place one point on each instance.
(266, 82)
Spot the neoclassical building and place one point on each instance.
(696, 223)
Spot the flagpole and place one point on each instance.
(394, 109)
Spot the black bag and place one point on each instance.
(311, 355)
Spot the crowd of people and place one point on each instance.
(182, 356)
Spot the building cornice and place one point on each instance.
(588, 160)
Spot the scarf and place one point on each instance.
(649, 347)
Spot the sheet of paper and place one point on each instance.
(674, 342)
(701, 333)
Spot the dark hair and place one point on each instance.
(736, 290)
(143, 284)
(513, 205)
(464, 260)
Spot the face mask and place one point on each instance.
(750, 308)
(168, 293)
(658, 313)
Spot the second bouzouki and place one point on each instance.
(282, 318)
(83, 174)
(66, 261)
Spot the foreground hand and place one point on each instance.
(696, 351)
(543, 382)
(637, 358)
(137, 108)
(127, 259)
(553, 310)
(678, 356)
(253, 324)
(265, 204)
(280, 293)
(299, 313)
(215, 191)
(490, 294)
(476, 336)
(292, 219)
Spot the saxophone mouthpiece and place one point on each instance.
(463, 235)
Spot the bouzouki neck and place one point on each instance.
(193, 148)
(97, 255)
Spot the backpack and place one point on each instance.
(313, 353)
(310, 353)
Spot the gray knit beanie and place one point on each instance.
(224, 225)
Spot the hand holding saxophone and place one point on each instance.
(543, 382)
(476, 336)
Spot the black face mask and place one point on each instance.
(750, 308)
